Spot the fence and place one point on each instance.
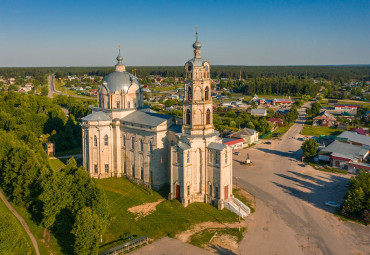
(123, 248)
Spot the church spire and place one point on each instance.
(120, 67)
(197, 45)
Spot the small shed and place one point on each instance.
(50, 148)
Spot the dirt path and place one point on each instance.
(22, 221)
(144, 209)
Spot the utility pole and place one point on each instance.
(239, 218)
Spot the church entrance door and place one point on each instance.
(177, 191)
(226, 192)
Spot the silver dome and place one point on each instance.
(120, 81)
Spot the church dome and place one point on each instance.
(120, 81)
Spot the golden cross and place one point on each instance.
(196, 28)
(119, 48)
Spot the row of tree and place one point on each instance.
(339, 73)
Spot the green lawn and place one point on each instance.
(317, 130)
(247, 201)
(169, 218)
(56, 164)
(48, 244)
(13, 237)
(282, 130)
(325, 101)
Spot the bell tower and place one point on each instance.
(197, 107)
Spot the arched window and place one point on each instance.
(106, 140)
(141, 145)
(188, 117)
(206, 93)
(190, 93)
(124, 141)
(95, 141)
(132, 143)
(117, 104)
(208, 117)
(128, 104)
(226, 157)
(150, 147)
(188, 157)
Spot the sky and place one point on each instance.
(153, 33)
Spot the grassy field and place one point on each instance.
(46, 241)
(13, 237)
(247, 201)
(325, 102)
(56, 164)
(168, 219)
(317, 130)
(282, 130)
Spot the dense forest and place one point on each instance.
(346, 72)
(67, 201)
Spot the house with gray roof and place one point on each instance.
(340, 154)
(249, 135)
(354, 138)
(259, 112)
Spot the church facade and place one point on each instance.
(123, 138)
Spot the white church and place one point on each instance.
(123, 138)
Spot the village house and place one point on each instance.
(324, 119)
(339, 108)
(249, 135)
(341, 154)
(276, 122)
(353, 138)
(235, 144)
(259, 112)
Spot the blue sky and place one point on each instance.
(86, 33)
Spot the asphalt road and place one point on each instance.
(52, 90)
(291, 216)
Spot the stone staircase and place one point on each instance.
(236, 206)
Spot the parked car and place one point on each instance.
(267, 142)
(236, 153)
(332, 204)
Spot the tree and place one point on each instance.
(310, 147)
(169, 102)
(86, 231)
(44, 91)
(315, 109)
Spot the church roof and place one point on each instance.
(197, 61)
(146, 118)
(120, 81)
(96, 116)
(184, 146)
(216, 146)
